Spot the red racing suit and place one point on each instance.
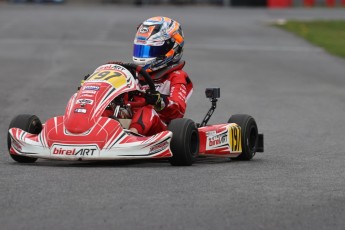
(177, 87)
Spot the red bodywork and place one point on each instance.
(83, 133)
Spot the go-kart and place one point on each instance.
(82, 133)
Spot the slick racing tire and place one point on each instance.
(28, 123)
(249, 136)
(185, 142)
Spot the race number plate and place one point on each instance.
(235, 139)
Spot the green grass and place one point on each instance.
(329, 34)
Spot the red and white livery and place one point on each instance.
(82, 133)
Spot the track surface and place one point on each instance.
(294, 90)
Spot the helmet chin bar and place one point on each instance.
(143, 61)
(150, 63)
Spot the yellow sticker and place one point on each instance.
(115, 78)
(235, 139)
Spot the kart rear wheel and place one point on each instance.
(249, 135)
(185, 142)
(28, 123)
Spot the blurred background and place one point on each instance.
(228, 3)
(294, 90)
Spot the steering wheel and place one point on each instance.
(147, 78)
(140, 70)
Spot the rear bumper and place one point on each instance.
(260, 147)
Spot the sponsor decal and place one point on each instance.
(231, 138)
(217, 140)
(87, 95)
(80, 110)
(65, 150)
(158, 148)
(89, 91)
(95, 81)
(109, 67)
(211, 133)
(84, 101)
(91, 87)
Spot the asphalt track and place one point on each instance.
(294, 90)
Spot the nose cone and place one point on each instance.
(78, 123)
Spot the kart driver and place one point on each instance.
(158, 48)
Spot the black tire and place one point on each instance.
(185, 142)
(28, 123)
(249, 135)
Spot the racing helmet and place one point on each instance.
(158, 43)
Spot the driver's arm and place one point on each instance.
(176, 102)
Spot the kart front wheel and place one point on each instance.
(249, 135)
(28, 123)
(185, 142)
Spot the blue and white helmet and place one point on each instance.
(158, 43)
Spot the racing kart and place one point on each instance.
(82, 133)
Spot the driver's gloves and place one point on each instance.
(156, 99)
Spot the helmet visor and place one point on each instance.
(145, 51)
